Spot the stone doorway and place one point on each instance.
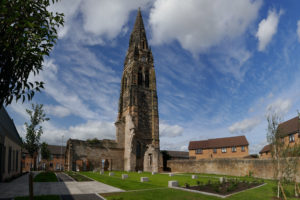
(105, 164)
(139, 158)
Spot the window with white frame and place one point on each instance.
(233, 149)
(243, 148)
(292, 138)
(198, 151)
(224, 150)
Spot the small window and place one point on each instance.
(140, 77)
(147, 79)
(198, 151)
(215, 150)
(224, 150)
(233, 149)
(243, 148)
(292, 138)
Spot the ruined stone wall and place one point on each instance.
(262, 168)
(82, 155)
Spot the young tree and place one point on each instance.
(45, 152)
(34, 129)
(28, 32)
(273, 138)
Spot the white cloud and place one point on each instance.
(200, 25)
(298, 30)
(92, 21)
(59, 111)
(279, 107)
(166, 130)
(244, 126)
(267, 28)
(88, 130)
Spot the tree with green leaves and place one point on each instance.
(34, 130)
(45, 153)
(28, 32)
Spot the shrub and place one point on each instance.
(186, 185)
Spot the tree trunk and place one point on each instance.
(278, 190)
(30, 186)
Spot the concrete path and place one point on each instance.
(19, 187)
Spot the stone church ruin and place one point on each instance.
(137, 126)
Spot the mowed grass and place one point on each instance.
(44, 197)
(262, 193)
(156, 188)
(45, 177)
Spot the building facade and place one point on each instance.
(56, 161)
(265, 152)
(137, 126)
(10, 147)
(289, 135)
(229, 147)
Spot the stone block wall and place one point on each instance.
(261, 168)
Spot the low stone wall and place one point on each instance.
(262, 168)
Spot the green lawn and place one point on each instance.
(45, 177)
(159, 182)
(44, 197)
(77, 176)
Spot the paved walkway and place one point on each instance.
(19, 187)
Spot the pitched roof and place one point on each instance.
(219, 143)
(178, 154)
(266, 148)
(7, 127)
(55, 149)
(289, 127)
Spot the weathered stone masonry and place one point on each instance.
(137, 125)
(261, 168)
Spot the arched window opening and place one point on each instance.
(138, 150)
(140, 77)
(147, 79)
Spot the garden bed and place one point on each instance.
(224, 188)
(77, 177)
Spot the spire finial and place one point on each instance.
(138, 34)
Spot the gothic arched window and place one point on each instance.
(147, 79)
(140, 77)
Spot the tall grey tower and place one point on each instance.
(137, 125)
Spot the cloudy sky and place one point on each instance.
(220, 66)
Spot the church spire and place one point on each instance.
(138, 35)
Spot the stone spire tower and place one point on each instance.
(137, 125)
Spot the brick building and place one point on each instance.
(229, 147)
(265, 152)
(289, 135)
(10, 147)
(137, 129)
(56, 161)
(289, 131)
(28, 161)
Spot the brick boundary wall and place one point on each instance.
(261, 168)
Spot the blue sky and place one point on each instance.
(221, 66)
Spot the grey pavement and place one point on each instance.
(19, 187)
